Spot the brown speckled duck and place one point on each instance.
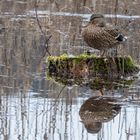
(97, 110)
(100, 36)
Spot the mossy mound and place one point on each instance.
(91, 66)
(92, 71)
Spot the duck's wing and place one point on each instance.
(105, 36)
(109, 35)
(117, 33)
(112, 31)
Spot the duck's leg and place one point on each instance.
(101, 92)
(116, 52)
(103, 53)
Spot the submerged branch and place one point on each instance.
(55, 102)
(54, 105)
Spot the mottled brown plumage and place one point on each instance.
(97, 110)
(100, 36)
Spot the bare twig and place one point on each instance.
(84, 2)
(87, 8)
(116, 19)
(46, 39)
(115, 11)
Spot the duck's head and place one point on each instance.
(93, 127)
(97, 19)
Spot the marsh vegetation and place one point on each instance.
(32, 106)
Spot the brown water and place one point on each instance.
(33, 107)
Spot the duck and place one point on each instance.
(98, 110)
(102, 36)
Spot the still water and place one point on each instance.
(34, 107)
(56, 117)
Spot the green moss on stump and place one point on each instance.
(92, 71)
(90, 66)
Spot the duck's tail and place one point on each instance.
(121, 38)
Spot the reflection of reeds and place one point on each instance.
(25, 118)
(21, 46)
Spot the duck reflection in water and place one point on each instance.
(97, 110)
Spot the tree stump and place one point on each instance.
(90, 69)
